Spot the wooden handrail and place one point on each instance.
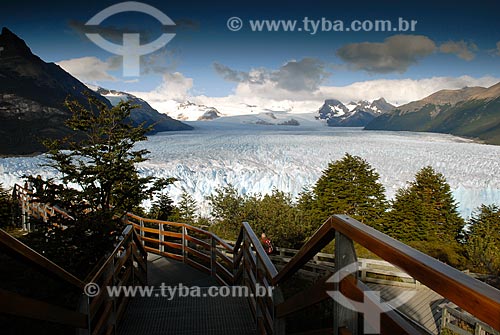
(126, 234)
(476, 297)
(324, 235)
(43, 263)
(268, 264)
(19, 190)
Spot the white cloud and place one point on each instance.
(252, 97)
(401, 91)
(174, 88)
(462, 49)
(498, 48)
(88, 69)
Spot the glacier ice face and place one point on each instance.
(256, 159)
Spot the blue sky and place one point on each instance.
(450, 41)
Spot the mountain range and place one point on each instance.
(190, 111)
(354, 114)
(472, 112)
(143, 113)
(32, 96)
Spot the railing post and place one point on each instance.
(141, 223)
(213, 256)
(161, 238)
(345, 255)
(24, 217)
(258, 309)
(478, 329)
(184, 244)
(89, 319)
(244, 259)
(444, 319)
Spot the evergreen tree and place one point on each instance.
(350, 186)
(100, 158)
(425, 211)
(483, 240)
(227, 211)
(275, 215)
(187, 208)
(308, 213)
(163, 208)
(6, 207)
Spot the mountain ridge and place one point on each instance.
(472, 112)
(354, 114)
(32, 96)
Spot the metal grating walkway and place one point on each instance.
(190, 315)
(185, 315)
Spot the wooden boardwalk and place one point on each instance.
(424, 308)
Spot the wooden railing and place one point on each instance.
(31, 208)
(253, 267)
(370, 270)
(125, 266)
(463, 323)
(194, 246)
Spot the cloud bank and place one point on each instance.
(395, 54)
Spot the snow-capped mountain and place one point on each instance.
(189, 111)
(354, 114)
(144, 112)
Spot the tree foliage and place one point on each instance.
(98, 162)
(6, 207)
(424, 214)
(162, 208)
(273, 214)
(227, 210)
(349, 186)
(425, 210)
(483, 240)
(100, 182)
(186, 209)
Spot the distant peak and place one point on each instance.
(333, 102)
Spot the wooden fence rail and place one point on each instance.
(370, 270)
(194, 246)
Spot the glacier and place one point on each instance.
(257, 158)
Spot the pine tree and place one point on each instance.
(350, 186)
(227, 211)
(483, 240)
(425, 211)
(163, 208)
(187, 208)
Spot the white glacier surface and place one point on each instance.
(258, 158)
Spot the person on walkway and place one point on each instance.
(267, 244)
